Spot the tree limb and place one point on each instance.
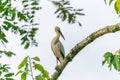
(79, 46)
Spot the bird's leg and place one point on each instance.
(56, 61)
(61, 59)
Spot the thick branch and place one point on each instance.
(79, 46)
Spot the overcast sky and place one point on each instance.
(87, 64)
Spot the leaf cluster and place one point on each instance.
(7, 53)
(4, 73)
(112, 61)
(12, 18)
(116, 5)
(29, 9)
(67, 12)
(26, 68)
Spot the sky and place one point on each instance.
(87, 64)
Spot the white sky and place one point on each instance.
(87, 64)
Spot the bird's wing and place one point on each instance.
(61, 49)
(52, 49)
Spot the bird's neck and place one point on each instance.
(57, 38)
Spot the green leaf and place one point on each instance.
(21, 16)
(66, 3)
(77, 13)
(9, 74)
(24, 38)
(9, 79)
(110, 2)
(23, 63)
(64, 17)
(13, 14)
(3, 38)
(116, 62)
(46, 74)
(20, 71)
(23, 76)
(116, 9)
(34, 3)
(108, 58)
(79, 24)
(36, 58)
(26, 68)
(103, 62)
(27, 45)
(26, 5)
(57, 10)
(38, 77)
(9, 53)
(38, 67)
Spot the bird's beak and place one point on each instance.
(62, 35)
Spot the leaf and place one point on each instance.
(103, 62)
(79, 24)
(24, 38)
(23, 63)
(46, 74)
(21, 16)
(110, 2)
(9, 74)
(57, 10)
(64, 17)
(66, 3)
(108, 57)
(38, 77)
(2, 37)
(36, 58)
(13, 14)
(38, 67)
(26, 5)
(70, 18)
(24, 1)
(18, 72)
(9, 53)
(26, 68)
(27, 45)
(23, 76)
(116, 62)
(6, 2)
(9, 79)
(118, 5)
(35, 3)
(79, 13)
(116, 9)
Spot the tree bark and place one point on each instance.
(79, 46)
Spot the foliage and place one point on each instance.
(7, 53)
(67, 12)
(12, 18)
(26, 68)
(116, 5)
(4, 73)
(112, 60)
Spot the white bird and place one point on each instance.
(57, 46)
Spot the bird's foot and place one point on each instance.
(57, 68)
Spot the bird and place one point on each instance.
(57, 47)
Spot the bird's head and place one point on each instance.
(57, 29)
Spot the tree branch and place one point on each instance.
(79, 46)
